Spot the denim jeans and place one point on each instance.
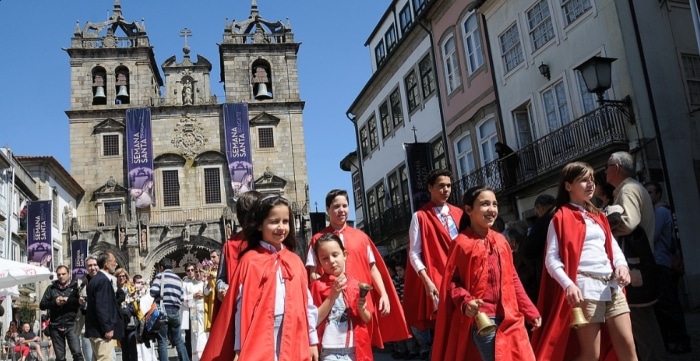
(87, 348)
(59, 338)
(172, 330)
(343, 354)
(486, 344)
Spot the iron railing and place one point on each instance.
(154, 217)
(391, 221)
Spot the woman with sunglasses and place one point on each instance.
(126, 296)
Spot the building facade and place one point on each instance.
(113, 68)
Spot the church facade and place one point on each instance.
(191, 187)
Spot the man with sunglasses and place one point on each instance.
(61, 298)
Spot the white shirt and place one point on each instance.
(594, 260)
(280, 292)
(415, 245)
(338, 332)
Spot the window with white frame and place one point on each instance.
(488, 137)
(212, 185)
(357, 189)
(418, 6)
(384, 119)
(390, 38)
(472, 43)
(691, 69)
(412, 90)
(405, 18)
(403, 174)
(381, 198)
(396, 109)
(451, 64)
(573, 9)
(511, 49)
(556, 106)
(110, 145)
(464, 152)
(364, 140)
(523, 128)
(427, 78)
(439, 157)
(539, 22)
(380, 53)
(394, 190)
(171, 188)
(588, 99)
(373, 138)
(372, 205)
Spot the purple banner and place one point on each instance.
(140, 157)
(78, 252)
(240, 163)
(419, 164)
(39, 247)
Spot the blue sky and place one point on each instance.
(334, 65)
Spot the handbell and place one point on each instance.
(364, 289)
(484, 325)
(577, 318)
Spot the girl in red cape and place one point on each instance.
(342, 314)
(480, 277)
(364, 264)
(232, 248)
(586, 268)
(267, 313)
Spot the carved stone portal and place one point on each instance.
(189, 136)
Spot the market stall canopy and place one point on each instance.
(15, 273)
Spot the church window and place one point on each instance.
(99, 83)
(266, 137)
(171, 188)
(212, 185)
(121, 85)
(110, 145)
(261, 78)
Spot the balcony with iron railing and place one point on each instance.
(391, 221)
(601, 131)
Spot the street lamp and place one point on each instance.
(597, 74)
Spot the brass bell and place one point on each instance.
(364, 289)
(484, 325)
(577, 318)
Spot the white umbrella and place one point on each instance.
(14, 273)
(9, 291)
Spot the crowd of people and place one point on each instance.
(469, 288)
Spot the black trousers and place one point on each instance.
(59, 338)
(669, 312)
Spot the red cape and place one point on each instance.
(321, 289)
(435, 244)
(465, 268)
(384, 328)
(256, 272)
(554, 341)
(232, 248)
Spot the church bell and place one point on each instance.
(99, 92)
(262, 92)
(122, 94)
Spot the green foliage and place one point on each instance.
(27, 313)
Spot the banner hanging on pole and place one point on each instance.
(419, 164)
(139, 149)
(238, 156)
(79, 249)
(39, 226)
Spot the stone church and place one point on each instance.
(114, 69)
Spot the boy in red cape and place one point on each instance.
(430, 235)
(364, 264)
(232, 248)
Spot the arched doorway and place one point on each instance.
(180, 252)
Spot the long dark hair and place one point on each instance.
(569, 174)
(469, 198)
(255, 218)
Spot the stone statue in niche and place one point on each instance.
(187, 98)
(144, 240)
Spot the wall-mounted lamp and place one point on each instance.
(544, 70)
(597, 74)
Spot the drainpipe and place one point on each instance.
(439, 95)
(10, 201)
(365, 215)
(652, 103)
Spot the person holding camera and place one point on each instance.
(61, 299)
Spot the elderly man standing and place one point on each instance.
(103, 322)
(636, 222)
(62, 300)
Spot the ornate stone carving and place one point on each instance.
(189, 136)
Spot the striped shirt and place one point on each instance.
(173, 294)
